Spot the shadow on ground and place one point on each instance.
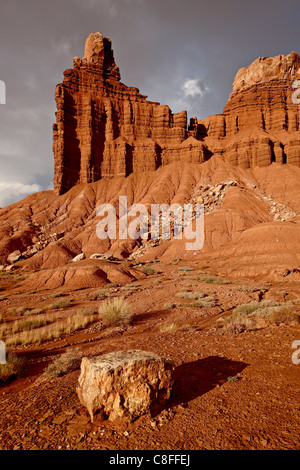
(194, 379)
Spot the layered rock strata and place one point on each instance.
(104, 128)
(260, 122)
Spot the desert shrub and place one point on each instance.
(12, 368)
(100, 294)
(245, 309)
(69, 325)
(284, 315)
(115, 311)
(253, 310)
(29, 324)
(185, 268)
(201, 299)
(55, 295)
(129, 288)
(148, 270)
(86, 311)
(232, 379)
(61, 304)
(173, 261)
(190, 295)
(213, 280)
(240, 325)
(51, 332)
(171, 305)
(168, 328)
(247, 288)
(3, 297)
(18, 310)
(65, 363)
(206, 302)
(35, 311)
(245, 316)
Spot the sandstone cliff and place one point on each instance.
(242, 164)
(260, 122)
(104, 128)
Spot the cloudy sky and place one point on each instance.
(184, 53)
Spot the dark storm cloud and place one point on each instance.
(181, 53)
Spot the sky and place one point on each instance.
(183, 53)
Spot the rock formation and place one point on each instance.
(260, 122)
(242, 164)
(124, 384)
(104, 128)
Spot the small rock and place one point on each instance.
(10, 268)
(14, 256)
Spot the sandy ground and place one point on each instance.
(258, 409)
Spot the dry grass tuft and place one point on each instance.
(66, 362)
(86, 311)
(168, 328)
(55, 295)
(213, 280)
(29, 324)
(246, 316)
(100, 294)
(51, 332)
(116, 311)
(247, 288)
(148, 270)
(18, 310)
(284, 315)
(12, 368)
(171, 305)
(190, 295)
(61, 304)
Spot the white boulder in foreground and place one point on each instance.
(124, 384)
